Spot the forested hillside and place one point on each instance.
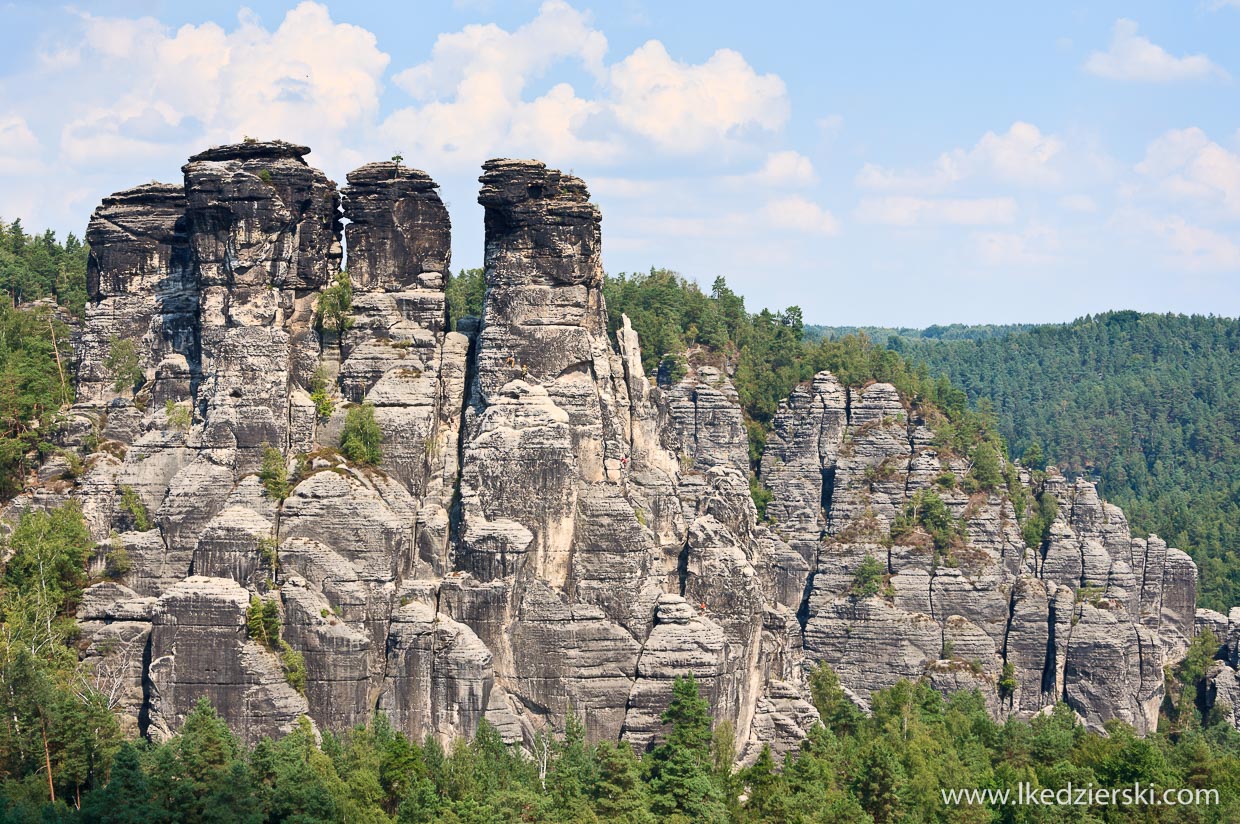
(38, 266)
(1147, 405)
(36, 376)
(882, 334)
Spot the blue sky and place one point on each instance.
(874, 163)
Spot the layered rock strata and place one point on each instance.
(547, 531)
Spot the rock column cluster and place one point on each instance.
(547, 531)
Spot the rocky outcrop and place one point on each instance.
(548, 530)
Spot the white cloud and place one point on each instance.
(1022, 155)
(1197, 248)
(830, 126)
(1186, 164)
(1133, 57)
(470, 97)
(485, 57)
(904, 210)
(309, 80)
(1083, 204)
(1033, 246)
(783, 169)
(686, 108)
(19, 148)
(801, 215)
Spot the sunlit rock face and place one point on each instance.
(547, 531)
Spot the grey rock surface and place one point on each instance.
(548, 530)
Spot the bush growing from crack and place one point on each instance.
(131, 503)
(178, 416)
(273, 472)
(122, 365)
(262, 623)
(868, 579)
(361, 439)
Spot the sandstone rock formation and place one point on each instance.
(548, 531)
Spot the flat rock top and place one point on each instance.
(385, 171)
(508, 181)
(148, 194)
(266, 149)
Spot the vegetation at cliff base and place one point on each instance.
(890, 766)
(34, 384)
(1146, 405)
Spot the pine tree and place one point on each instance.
(682, 780)
(619, 794)
(127, 797)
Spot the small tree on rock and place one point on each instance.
(361, 440)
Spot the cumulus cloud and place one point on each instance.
(1022, 155)
(1195, 247)
(687, 108)
(783, 169)
(1035, 245)
(1186, 164)
(1133, 57)
(905, 210)
(1080, 203)
(309, 79)
(470, 96)
(19, 148)
(802, 215)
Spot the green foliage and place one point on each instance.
(761, 496)
(320, 393)
(1033, 458)
(868, 577)
(51, 715)
(37, 266)
(265, 176)
(1007, 681)
(122, 365)
(1144, 404)
(294, 666)
(117, 564)
(273, 472)
(335, 305)
(262, 622)
(927, 511)
(131, 503)
(889, 766)
(361, 440)
(673, 368)
(464, 293)
(1036, 529)
(681, 768)
(177, 415)
(986, 471)
(838, 713)
(34, 386)
(268, 552)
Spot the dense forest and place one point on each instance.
(881, 335)
(1147, 405)
(63, 755)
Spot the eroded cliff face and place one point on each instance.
(548, 531)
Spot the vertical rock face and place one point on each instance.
(142, 289)
(547, 531)
(399, 235)
(264, 235)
